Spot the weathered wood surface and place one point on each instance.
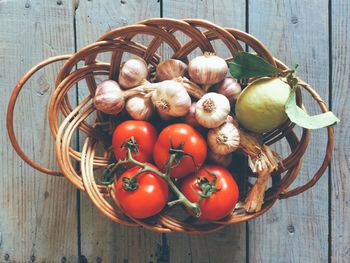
(228, 244)
(102, 239)
(296, 230)
(38, 214)
(340, 94)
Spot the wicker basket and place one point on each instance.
(122, 40)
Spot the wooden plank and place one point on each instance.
(296, 230)
(340, 199)
(227, 245)
(37, 212)
(101, 239)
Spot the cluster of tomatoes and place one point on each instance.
(179, 151)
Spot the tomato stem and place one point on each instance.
(179, 154)
(129, 184)
(110, 170)
(131, 144)
(174, 202)
(207, 188)
(194, 207)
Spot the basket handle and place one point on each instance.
(11, 107)
(330, 144)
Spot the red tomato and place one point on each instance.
(145, 135)
(219, 204)
(149, 197)
(193, 144)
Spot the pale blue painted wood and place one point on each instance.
(296, 229)
(37, 212)
(340, 207)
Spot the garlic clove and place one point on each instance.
(171, 98)
(207, 69)
(109, 97)
(140, 107)
(192, 88)
(133, 73)
(190, 117)
(170, 68)
(212, 110)
(230, 88)
(224, 139)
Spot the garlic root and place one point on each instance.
(262, 160)
(255, 197)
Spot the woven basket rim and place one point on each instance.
(200, 33)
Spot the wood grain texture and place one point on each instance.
(37, 212)
(296, 229)
(101, 239)
(340, 199)
(229, 244)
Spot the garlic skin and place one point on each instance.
(171, 98)
(223, 160)
(164, 117)
(109, 97)
(170, 68)
(207, 69)
(190, 117)
(224, 139)
(230, 88)
(212, 110)
(140, 107)
(192, 88)
(133, 73)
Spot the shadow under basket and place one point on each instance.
(81, 167)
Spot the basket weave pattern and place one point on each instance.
(120, 41)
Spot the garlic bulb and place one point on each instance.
(140, 107)
(212, 110)
(223, 160)
(109, 97)
(207, 69)
(192, 88)
(170, 68)
(164, 117)
(190, 118)
(171, 98)
(230, 88)
(133, 73)
(224, 139)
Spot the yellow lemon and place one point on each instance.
(260, 107)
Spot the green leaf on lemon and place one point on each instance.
(301, 118)
(247, 65)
